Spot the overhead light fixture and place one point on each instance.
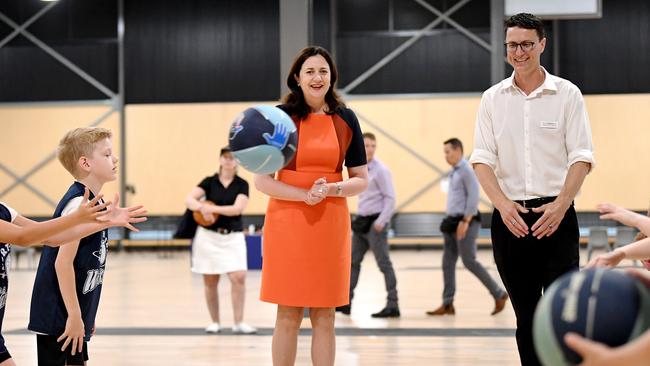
(49, 1)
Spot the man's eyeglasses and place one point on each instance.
(526, 46)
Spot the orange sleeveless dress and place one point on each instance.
(306, 249)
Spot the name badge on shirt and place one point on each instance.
(551, 125)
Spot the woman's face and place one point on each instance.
(227, 161)
(314, 78)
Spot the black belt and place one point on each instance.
(370, 217)
(476, 217)
(536, 202)
(221, 230)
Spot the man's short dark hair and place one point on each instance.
(455, 143)
(369, 135)
(526, 21)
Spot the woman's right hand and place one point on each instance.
(207, 214)
(317, 192)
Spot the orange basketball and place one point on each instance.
(199, 218)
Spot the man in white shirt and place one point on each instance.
(532, 151)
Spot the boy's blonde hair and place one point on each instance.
(77, 143)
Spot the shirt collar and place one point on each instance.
(548, 84)
(372, 163)
(460, 164)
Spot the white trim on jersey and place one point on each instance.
(12, 212)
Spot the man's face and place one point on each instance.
(452, 155)
(371, 147)
(524, 58)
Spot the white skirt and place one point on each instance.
(214, 253)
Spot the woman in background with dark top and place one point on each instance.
(220, 248)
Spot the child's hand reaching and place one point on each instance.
(123, 216)
(90, 211)
(609, 211)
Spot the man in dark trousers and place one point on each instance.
(460, 238)
(532, 152)
(370, 229)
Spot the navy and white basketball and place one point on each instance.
(603, 305)
(263, 139)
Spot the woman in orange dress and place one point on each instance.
(306, 251)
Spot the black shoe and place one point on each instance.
(387, 313)
(345, 309)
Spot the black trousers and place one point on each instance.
(528, 265)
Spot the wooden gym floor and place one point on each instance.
(153, 313)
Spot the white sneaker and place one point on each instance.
(213, 328)
(243, 328)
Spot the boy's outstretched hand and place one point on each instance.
(90, 211)
(123, 216)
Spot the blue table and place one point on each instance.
(254, 251)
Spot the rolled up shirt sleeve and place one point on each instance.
(485, 150)
(578, 132)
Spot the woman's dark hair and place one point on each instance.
(526, 21)
(295, 99)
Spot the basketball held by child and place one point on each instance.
(263, 139)
(603, 305)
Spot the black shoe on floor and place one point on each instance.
(387, 313)
(345, 309)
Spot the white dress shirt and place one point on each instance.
(530, 141)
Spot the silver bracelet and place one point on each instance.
(339, 189)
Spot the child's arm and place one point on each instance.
(639, 250)
(114, 216)
(625, 217)
(15, 233)
(74, 326)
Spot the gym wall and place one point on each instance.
(171, 147)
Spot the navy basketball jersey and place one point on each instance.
(48, 314)
(5, 215)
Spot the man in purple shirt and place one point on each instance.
(370, 229)
(462, 208)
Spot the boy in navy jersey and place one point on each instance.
(19, 230)
(69, 278)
